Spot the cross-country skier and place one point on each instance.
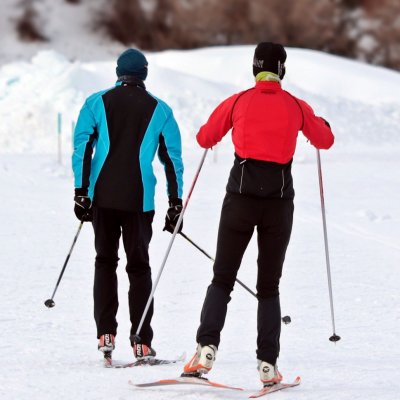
(265, 121)
(117, 135)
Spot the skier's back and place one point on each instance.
(265, 121)
(117, 135)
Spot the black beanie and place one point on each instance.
(132, 62)
(269, 57)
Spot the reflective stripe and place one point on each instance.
(241, 177)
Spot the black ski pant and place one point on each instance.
(136, 232)
(273, 219)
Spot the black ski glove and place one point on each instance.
(173, 213)
(83, 206)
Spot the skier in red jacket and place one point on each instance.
(265, 121)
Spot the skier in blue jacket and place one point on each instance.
(118, 132)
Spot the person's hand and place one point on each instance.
(173, 213)
(83, 206)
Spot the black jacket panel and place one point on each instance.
(261, 178)
(129, 109)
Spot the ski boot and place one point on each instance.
(107, 345)
(201, 362)
(269, 374)
(142, 352)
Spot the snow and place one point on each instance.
(52, 353)
(77, 29)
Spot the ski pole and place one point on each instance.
(136, 337)
(50, 302)
(334, 337)
(286, 319)
(207, 255)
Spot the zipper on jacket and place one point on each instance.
(241, 177)
(283, 182)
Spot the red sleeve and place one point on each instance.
(316, 129)
(218, 124)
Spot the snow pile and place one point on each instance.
(32, 94)
(193, 82)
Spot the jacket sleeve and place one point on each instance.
(170, 155)
(218, 124)
(84, 137)
(316, 129)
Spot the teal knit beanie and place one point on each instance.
(132, 62)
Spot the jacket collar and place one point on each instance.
(268, 85)
(130, 80)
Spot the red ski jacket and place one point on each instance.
(265, 121)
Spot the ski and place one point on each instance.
(184, 380)
(141, 363)
(274, 388)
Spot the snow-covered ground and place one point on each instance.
(52, 353)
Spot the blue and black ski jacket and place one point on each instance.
(117, 135)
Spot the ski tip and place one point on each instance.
(274, 388)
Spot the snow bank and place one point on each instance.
(193, 82)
